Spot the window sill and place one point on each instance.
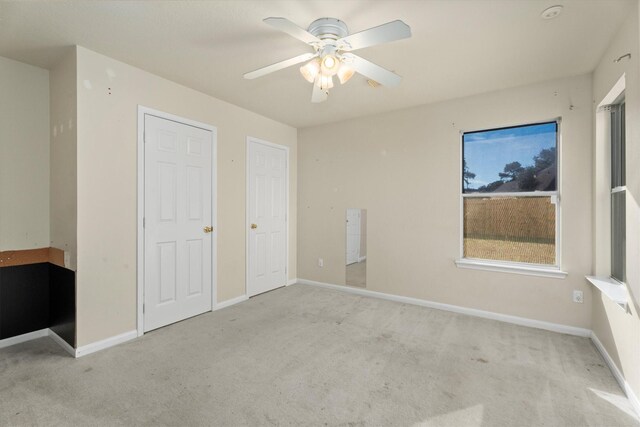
(529, 270)
(614, 290)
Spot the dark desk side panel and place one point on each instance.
(24, 299)
(62, 303)
(1, 269)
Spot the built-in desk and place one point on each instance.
(36, 294)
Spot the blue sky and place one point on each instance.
(487, 152)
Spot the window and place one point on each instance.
(610, 196)
(510, 195)
(618, 192)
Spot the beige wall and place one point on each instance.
(619, 331)
(107, 137)
(24, 156)
(404, 166)
(63, 174)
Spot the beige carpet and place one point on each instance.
(309, 356)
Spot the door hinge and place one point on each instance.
(144, 222)
(143, 308)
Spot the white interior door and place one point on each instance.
(267, 217)
(177, 221)
(353, 235)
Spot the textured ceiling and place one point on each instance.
(458, 48)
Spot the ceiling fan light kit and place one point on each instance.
(332, 45)
(345, 73)
(324, 82)
(310, 70)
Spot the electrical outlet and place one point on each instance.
(320, 262)
(578, 297)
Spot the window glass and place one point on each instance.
(517, 229)
(618, 193)
(618, 235)
(509, 160)
(618, 145)
(509, 194)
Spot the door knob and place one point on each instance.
(253, 226)
(208, 229)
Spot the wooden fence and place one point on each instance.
(522, 219)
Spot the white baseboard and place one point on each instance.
(62, 343)
(106, 343)
(624, 385)
(230, 302)
(292, 282)
(362, 258)
(24, 338)
(522, 321)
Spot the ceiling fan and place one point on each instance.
(332, 45)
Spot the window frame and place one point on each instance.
(614, 290)
(613, 190)
(544, 270)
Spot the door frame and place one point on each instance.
(142, 111)
(250, 140)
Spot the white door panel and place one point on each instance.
(267, 212)
(177, 207)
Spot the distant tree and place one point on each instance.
(546, 158)
(527, 179)
(467, 175)
(511, 171)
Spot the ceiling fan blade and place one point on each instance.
(374, 72)
(391, 31)
(318, 95)
(279, 65)
(286, 26)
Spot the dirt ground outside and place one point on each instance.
(506, 250)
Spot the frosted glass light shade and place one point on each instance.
(345, 72)
(310, 70)
(324, 82)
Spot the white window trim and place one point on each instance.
(511, 267)
(618, 189)
(619, 99)
(541, 270)
(613, 289)
(616, 291)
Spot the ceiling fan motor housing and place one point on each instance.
(328, 29)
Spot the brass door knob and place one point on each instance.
(208, 229)
(254, 226)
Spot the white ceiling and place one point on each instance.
(458, 47)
